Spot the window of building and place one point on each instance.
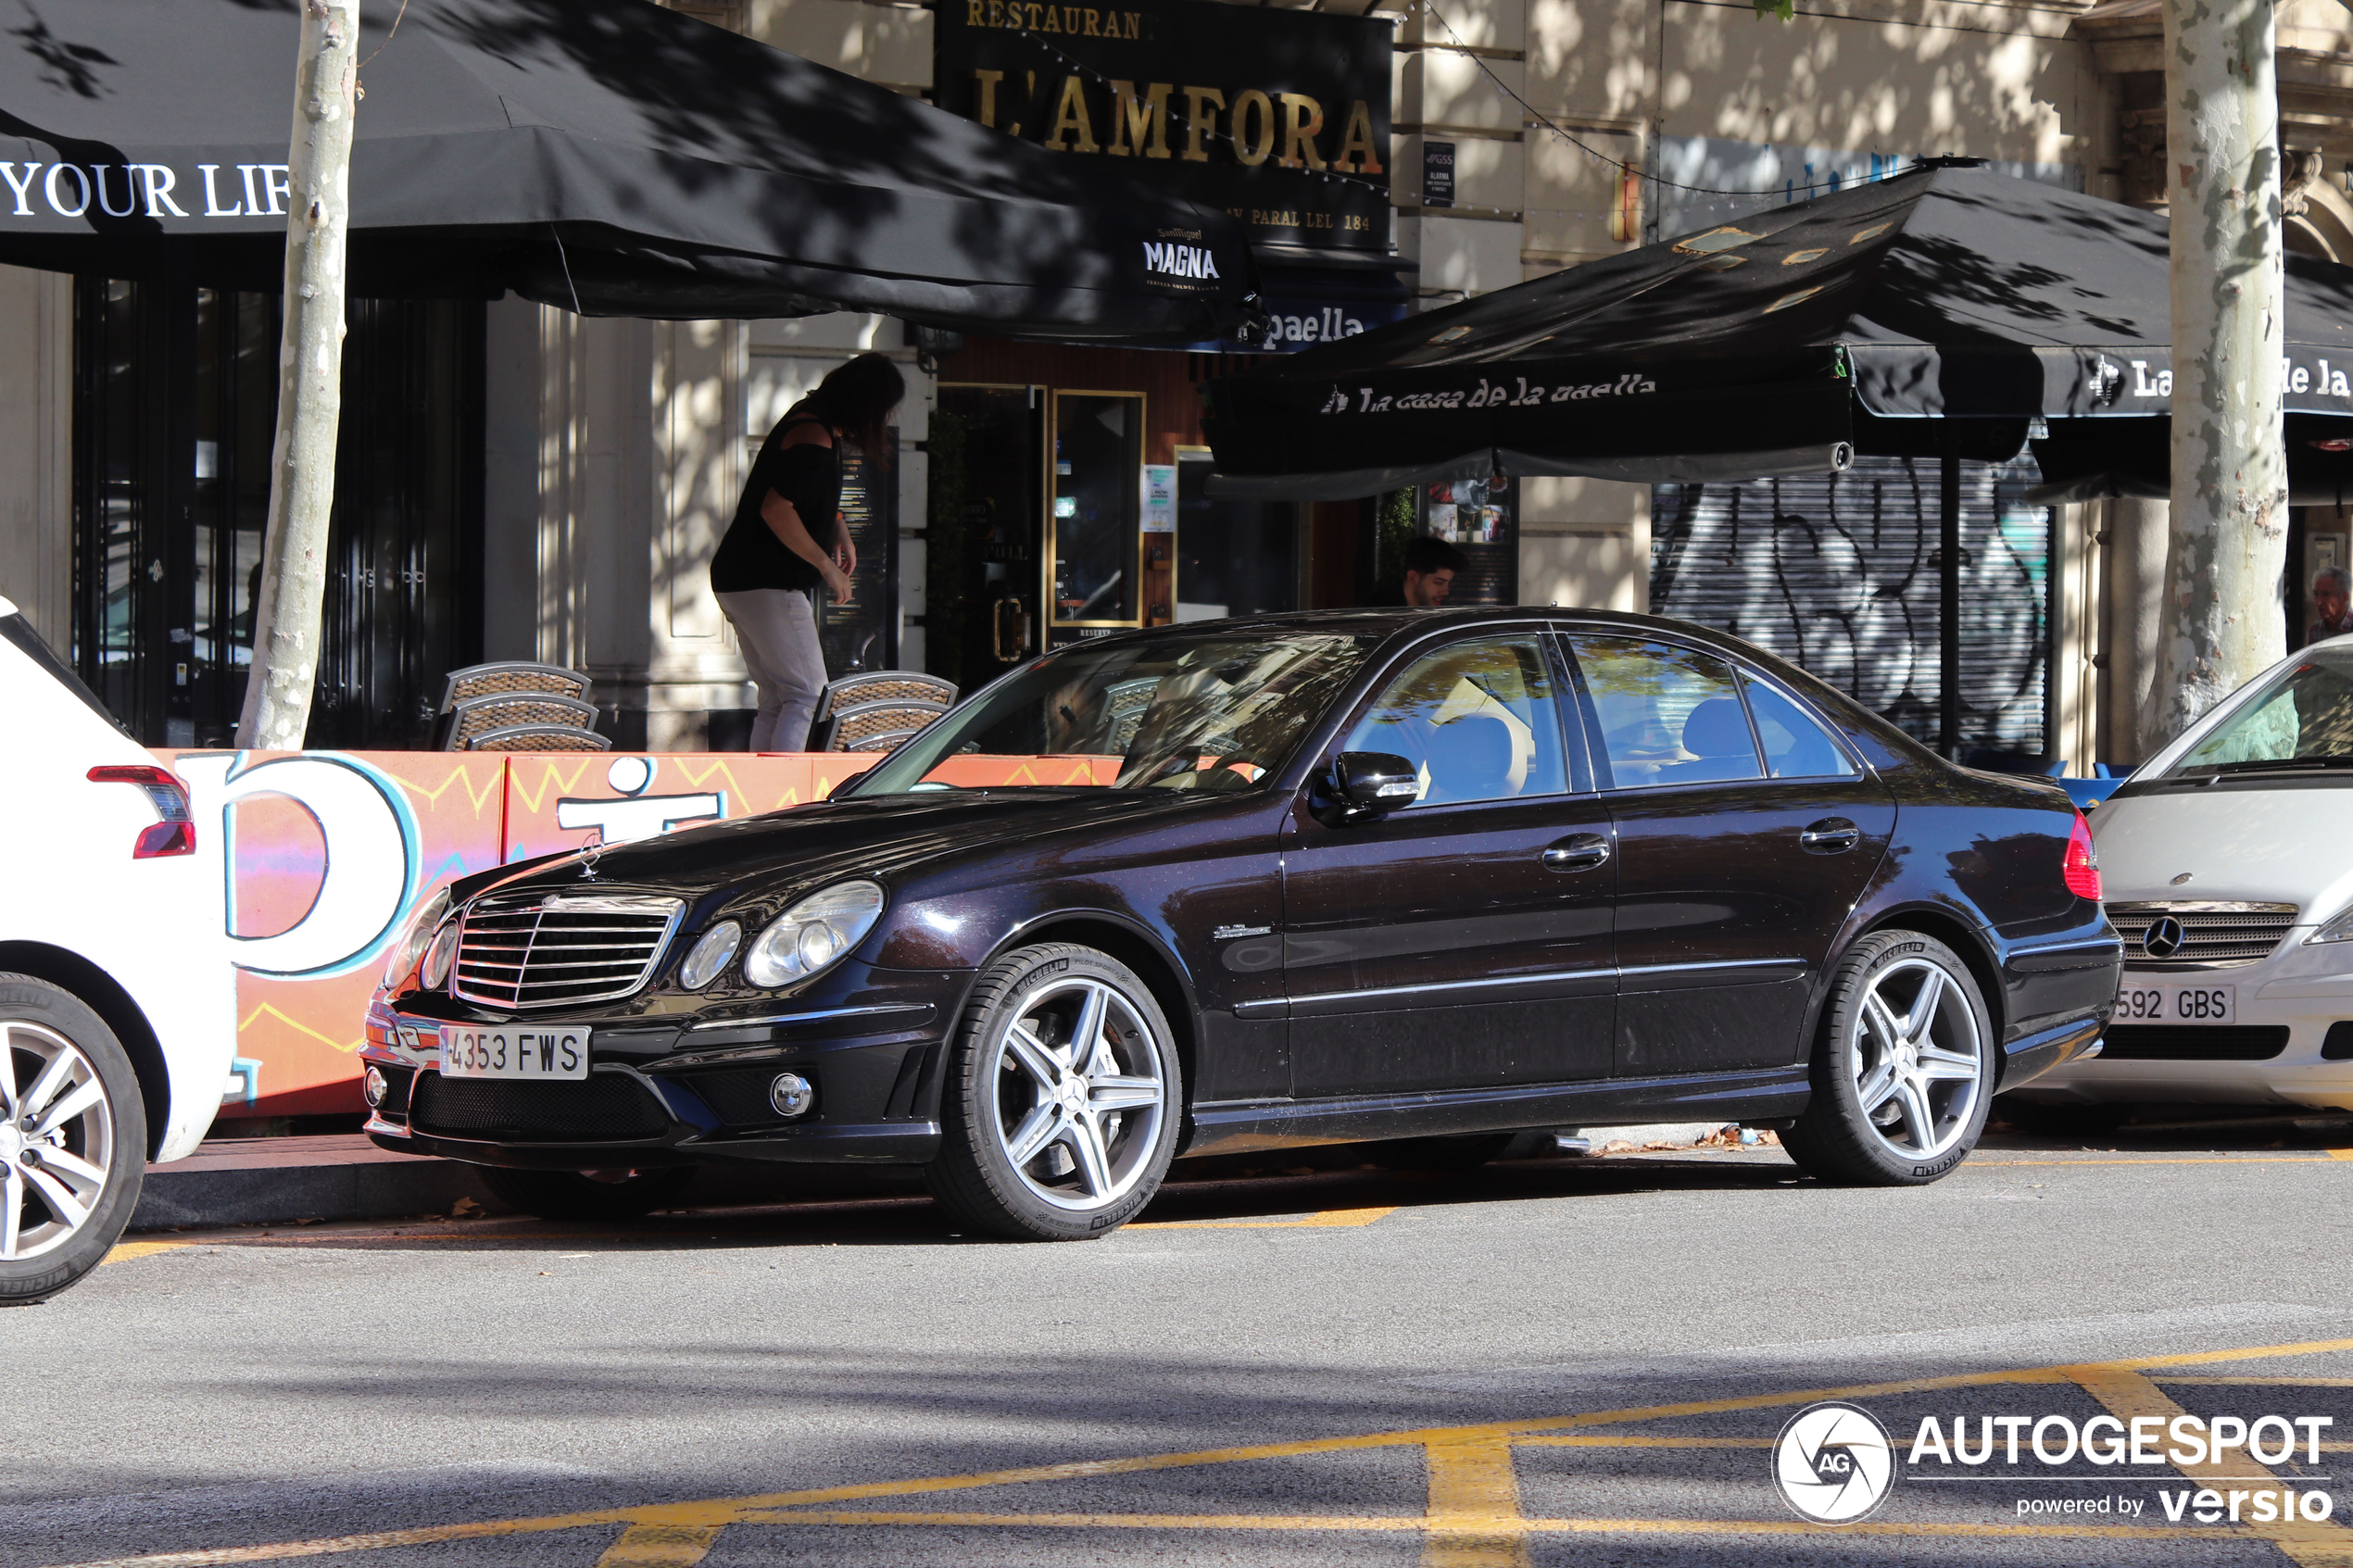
(1096, 532)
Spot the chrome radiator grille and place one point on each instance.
(2198, 936)
(545, 950)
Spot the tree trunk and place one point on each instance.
(302, 466)
(2222, 622)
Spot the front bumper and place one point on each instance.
(2295, 1005)
(679, 1090)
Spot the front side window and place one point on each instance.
(1478, 720)
(1668, 714)
(1184, 711)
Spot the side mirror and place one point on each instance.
(1367, 784)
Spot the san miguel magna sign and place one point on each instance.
(1280, 118)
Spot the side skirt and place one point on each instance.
(1237, 1126)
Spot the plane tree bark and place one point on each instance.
(2222, 622)
(302, 469)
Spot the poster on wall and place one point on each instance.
(1480, 518)
(1278, 116)
(1160, 498)
(861, 632)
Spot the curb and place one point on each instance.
(285, 1180)
(176, 1198)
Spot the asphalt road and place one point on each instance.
(1541, 1363)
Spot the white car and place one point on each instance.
(111, 1052)
(2227, 860)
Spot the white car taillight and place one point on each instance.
(175, 833)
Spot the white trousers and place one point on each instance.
(777, 630)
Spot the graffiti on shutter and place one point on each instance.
(1837, 574)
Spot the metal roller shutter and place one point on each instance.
(1837, 574)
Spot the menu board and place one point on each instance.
(1480, 518)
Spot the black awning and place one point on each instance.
(1946, 293)
(607, 156)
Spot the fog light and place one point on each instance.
(790, 1094)
(375, 1088)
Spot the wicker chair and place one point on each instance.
(539, 737)
(872, 686)
(475, 717)
(881, 725)
(507, 677)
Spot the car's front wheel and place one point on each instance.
(73, 1139)
(1903, 1072)
(1061, 1104)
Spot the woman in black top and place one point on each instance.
(765, 568)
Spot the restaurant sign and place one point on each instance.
(1280, 118)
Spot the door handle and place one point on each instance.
(1578, 852)
(1832, 835)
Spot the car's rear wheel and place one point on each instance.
(73, 1139)
(1061, 1104)
(1903, 1072)
(587, 1195)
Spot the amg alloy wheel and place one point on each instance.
(73, 1136)
(1903, 1073)
(1062, 1101)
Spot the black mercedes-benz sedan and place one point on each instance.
(1432, 876)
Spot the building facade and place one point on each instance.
(518, 482)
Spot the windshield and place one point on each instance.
(1180, 712)
(2302, 719)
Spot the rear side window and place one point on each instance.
(1478, 720)
(1668, 714)
(1797, 746)
(25, 640)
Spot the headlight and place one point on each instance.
(413, 937)
(440, 955)
(812, 934)
(710, 955)
(2337, 930)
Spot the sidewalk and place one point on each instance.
(343, 1176)
(270, 1181)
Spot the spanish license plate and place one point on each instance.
(2175, 1001)
(513, 1053)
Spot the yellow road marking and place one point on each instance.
(2313, 1544)
(2182, 1159)
(1381, 1522)
(2267, 1382)
(1468, 1480)
(123, 1251)
(1611, 1441)
(661, 1546)
(1474, 1506)
(1330, 1219)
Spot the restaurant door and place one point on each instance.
(175, 409)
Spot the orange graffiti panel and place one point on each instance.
(325, 855)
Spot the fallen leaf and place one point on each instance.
(464, 1208)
